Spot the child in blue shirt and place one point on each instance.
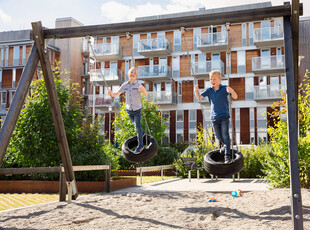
(217, 95)
(133, 103)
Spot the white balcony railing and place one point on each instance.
(268, 62)
(108, 75)
(268, 33)
(106, 49)
(264, 92)
(102, 100)
(158, 71)
(212, 39)
(208, 66)
(154, 44)
(162, 97)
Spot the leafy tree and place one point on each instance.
(276, 165)
(34, 142)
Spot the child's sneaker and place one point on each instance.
(227, 159)
(138, 150)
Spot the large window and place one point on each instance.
(179, 92)
(176, 67)
(3, 101)
(244, 34)
(249, 88)
(237, 124)
(261, 125)
(180, 120)
(177, 41)
(251, 30)
(252, 125)
(241, 61)
(165, 115)
(135, 39)
(196, 32)
(6, 56)
(192, 119)
(16, 55)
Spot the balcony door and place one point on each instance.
(216, 62)
(156, 91)
(113, 69)
(202, 63)
(162, 67)
(265, 25)
(274, 86)
(265, 59)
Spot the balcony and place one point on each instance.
(110, 76)
(269, 37)
(107, 52)
(268, 65)
(202, 70)
(102, 100)
(162, 97)
(154, 47)
(154, 73)
(212, 42)
(269, 92)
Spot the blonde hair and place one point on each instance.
(216, 72)
(133, 69)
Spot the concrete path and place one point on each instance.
(207, 185)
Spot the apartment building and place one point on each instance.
(250, 56)
(170, 63)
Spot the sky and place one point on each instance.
(18, 14)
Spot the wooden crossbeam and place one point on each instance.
(18, 101)
(54, 105)
(172, 23)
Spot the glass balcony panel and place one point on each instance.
(162, 97)
(102, 100)
(266, 92)
(268, 36)
(149, 72)
(154, 46)
(106, 51)
(268, 64)
(202, 69)
(212, 41)
(111, 76)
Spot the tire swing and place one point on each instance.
(213, 161)
(151, 144)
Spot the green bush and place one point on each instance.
(34, 142)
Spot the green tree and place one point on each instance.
(276, 164)
(34, 142)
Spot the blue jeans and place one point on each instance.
(135, 117)
(221, 129)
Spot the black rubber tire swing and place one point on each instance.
(146, 154)
(214, 163)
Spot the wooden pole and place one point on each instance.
(296, 205)
(55, 107)
(18, 101)
(108, 179)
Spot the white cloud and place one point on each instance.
(4, 17)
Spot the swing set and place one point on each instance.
(289, 12)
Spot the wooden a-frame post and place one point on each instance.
(38, 36)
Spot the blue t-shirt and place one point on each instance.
(218, 101)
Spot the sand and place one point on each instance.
(162, 210)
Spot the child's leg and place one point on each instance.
(225, 134)
(218, 130)
(138, 127)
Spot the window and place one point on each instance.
(177, 41)
(201, 63)
(252, 125)
(0, 78)
(6, 56)
(243, 34)
(192, 138)
(165, 115)
(179, 92)
(241, 61)
(161, 40)
(1, 57)
(16, 55)
(180, 120)
(237, 124)
(261, 125)
(251, 29)
(265, 28)
(180, 137)
(249, 88)
(115, 44)
(3, 101)
(265, 59)
(196, 32)
(135, 39)
(176, 67)
(126, 70)
(192, 119)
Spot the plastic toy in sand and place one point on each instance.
(236, 193)
(213, 199)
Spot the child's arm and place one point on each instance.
(143, 90)
(113, 94)
(197, 95)
(233, 93)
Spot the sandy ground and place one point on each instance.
(162, 210)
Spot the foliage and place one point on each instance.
(34, 142)
(253, 158)
(276, 166)
(151, 122)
